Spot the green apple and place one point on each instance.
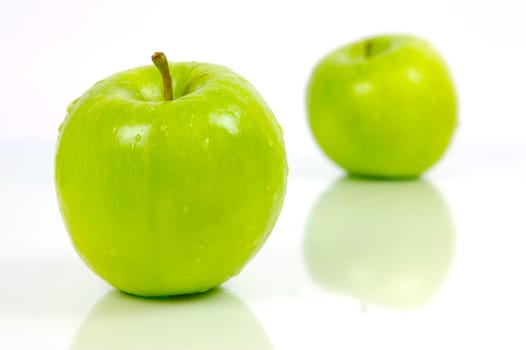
(383, 107)
(384, 243)
(167, 196)
(216, 320)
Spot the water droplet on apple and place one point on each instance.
(275, 195)
(281, 132)
(197, 260)
(270, 141)
(185, 209)
(71, 105)
(254, 242)
(133, 146)
(206, 143)
(60, 127)
(138, 137)
(201, 247)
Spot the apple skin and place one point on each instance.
(383, 107)
(385, 243)
(170, 197)
(216, 320)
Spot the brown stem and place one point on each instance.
(160, 61)
(368, 48)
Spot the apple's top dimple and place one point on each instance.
(150, 92)
(377, 46)
(372, 48)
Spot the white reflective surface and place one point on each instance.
(437, 263)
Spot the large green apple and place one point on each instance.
(167, 196)
(383, 107)
(215, 320)
(384, 243)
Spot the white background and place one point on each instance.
(52, 51)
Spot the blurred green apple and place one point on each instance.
(384, 243)
(169, 183)
(215, 320)
(383, 107)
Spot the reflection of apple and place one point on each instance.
(385, 243)
(384, 106)
(170, 189)
(215, 320)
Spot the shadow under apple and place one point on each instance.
(388, 243)
(214, 320)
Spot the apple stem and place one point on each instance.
(160, 61)
(368, 48)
